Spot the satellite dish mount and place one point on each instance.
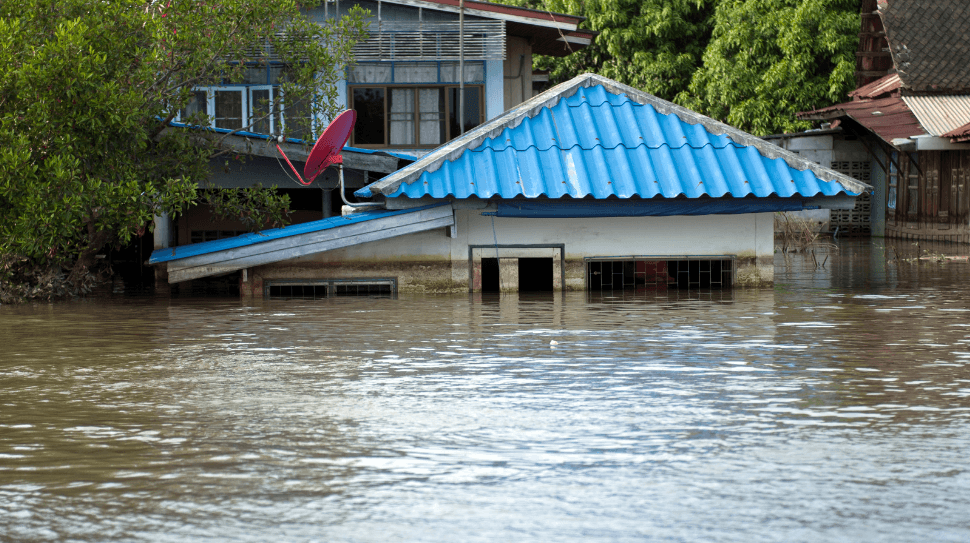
(326, 151)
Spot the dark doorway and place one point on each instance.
(490, 281)
(535, 275)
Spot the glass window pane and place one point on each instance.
(369, 73)
(474, 72)
(229, 109)
(297, 119)
(198, 104)
(402, 116)
(275, 74)
(259, 111)
(369, 105)
(431, 114)
(416, 72)
(473, 110)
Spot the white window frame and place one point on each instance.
(277, 125)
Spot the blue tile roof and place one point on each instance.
(597, 138)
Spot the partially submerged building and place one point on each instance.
(589, 185)
(404, 86)
(913, 120)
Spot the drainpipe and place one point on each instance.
(461, 67)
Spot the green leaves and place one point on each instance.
(86, 87)
(750, 63)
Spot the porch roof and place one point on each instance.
(227, 255)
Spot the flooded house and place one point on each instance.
(589, 185)
(911, 115)
(404, 84)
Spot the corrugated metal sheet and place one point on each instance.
(888, 118)
(959, 134)
(245, 240)
(597, 143)
(940, 114)
(877, 88)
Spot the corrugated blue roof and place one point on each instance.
(207, 247)
(589, 138)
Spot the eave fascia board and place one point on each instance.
(575, 40)
(559, 21)
(937, 143)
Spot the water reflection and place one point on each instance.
(817, 410)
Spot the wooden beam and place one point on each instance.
(287, 248)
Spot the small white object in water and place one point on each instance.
(553, 342)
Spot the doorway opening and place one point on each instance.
(535, 275)
(490, 279)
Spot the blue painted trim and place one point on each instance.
(360, 150)
(551, 209)
(207, 247)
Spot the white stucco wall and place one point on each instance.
(748, 237)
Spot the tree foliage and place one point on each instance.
(769, 59)
(750, 63)
(653, 45)
(87, 88)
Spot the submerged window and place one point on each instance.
(329, 288)
(659, 273)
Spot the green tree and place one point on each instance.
(769, 59)
(87, 88)
(653, 45)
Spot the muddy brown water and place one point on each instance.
(832, 407)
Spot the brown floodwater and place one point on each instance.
(832, 407)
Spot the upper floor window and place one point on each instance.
(256, 104)
(414, 104)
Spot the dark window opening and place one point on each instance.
(329, 288)
(535, 275)
(659, 274)
(473, 113)
(369, 127)
(299, 292)
(362, 289)
(490, 282)
(413, 116)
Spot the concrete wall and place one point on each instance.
(434, 261)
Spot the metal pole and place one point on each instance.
(461, 66)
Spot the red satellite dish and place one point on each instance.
(326, 150)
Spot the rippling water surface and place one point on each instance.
(834, 407)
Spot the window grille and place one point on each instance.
(858, 220)
(317, 289)
(659, 273)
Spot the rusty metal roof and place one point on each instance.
(959, 134)
(888, 118)
(878, 88)
(940, 114)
